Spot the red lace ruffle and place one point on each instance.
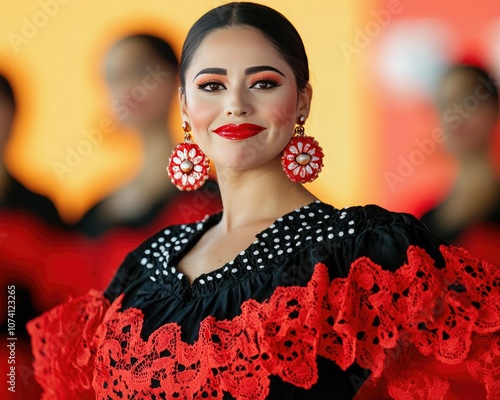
(276, 337)
(63, 348)
(452, 315)
(388, 322)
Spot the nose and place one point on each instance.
(238, 103)
(121, 89)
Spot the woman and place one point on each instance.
(469, 216)
(280, 296)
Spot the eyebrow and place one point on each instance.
(260, 68)
(215, 71)
(248, 71)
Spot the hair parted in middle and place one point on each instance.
(269, 22)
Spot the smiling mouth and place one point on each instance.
(238, 132)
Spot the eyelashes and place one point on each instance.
(266, 84)
(213, 86)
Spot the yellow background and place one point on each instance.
(52, 53)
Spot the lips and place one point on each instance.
(238, 132)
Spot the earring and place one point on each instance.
(302, 158)
(188, 166)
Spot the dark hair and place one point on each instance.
(483, 78)
(161, 48)
(6, 90)
(273, 25)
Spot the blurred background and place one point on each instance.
(373, 65)
(376, 70)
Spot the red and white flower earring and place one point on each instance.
(302, 158)
(188, 166)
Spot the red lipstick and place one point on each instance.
(238, 132)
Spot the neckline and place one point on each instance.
(258, 257)
(232, 267)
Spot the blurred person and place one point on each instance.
(141, 76)
(25, 217)
(469, 215)
(13, 194)
(280, 296)
(140, 72)
(36, 246)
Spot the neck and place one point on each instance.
(258, 195)
(478, 164)
(157, 144)
(151, 183)
(477, 188)
(157, 128)
(474, 156)
(157, 147)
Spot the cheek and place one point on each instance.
(282, 113)
(283, 121)
(478, 125)
(201, 113)
(159, 96)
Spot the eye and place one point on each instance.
(265, 84)
(211, 86)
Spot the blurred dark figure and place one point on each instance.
(141, 77)
(13, 194)
(35, 244)
(469, 216)
(24, 217)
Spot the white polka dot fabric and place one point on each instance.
(299, 229)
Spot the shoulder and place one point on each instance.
(361, 218)
(154, 253)
(356, 221)
(381, 235)
(173, 237)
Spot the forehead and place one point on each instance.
(459, 82)
(130, 51)
(236, 46)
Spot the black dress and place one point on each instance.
(18, 198)
(481, 237)
(314, 308)
(453, 236)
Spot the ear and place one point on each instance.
(183, 105)
(304, 101)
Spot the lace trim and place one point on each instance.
(388, 322)
(63, 347)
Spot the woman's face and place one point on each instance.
(237, 77)
(141, 85)
(467, 111)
